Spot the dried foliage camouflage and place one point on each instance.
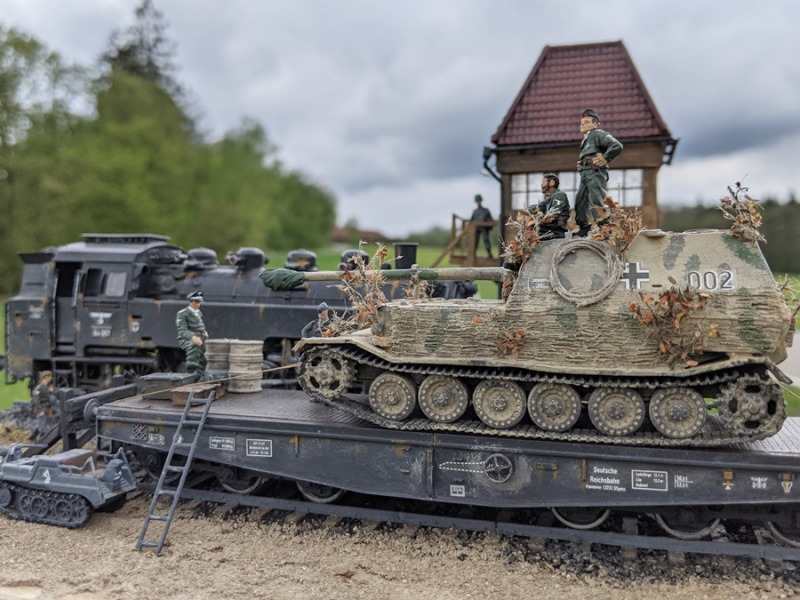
(744, 213)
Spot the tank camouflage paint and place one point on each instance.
(562, 357)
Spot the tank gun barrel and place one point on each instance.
(444, 274)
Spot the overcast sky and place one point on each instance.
(389, 104)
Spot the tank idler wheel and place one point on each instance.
(751, 405)
(554, 407)
(443, 399)
(616, 411)
(393, 396)
(326, 373)
(684, 525)
(499, 404)
(581, 518)
(678, 413)
(322, 494)
(788, 535)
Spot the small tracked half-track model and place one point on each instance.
(564, 355)
(63, 489)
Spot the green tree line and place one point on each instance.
(113, 148)
(780, 224)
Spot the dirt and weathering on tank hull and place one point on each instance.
(672, 344)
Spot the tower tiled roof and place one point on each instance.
(567, 79)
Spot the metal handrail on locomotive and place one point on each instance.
(107, 304)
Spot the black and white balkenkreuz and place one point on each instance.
(633, 275)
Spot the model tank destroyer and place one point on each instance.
(580, 348)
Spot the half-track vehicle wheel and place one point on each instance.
(616, 411)
(33, 505)
(326, 373)
(581, 518)
(499, 404)
(443, 399)
(685, 525)
(554, 406)
(6, 496)
(393, 396)
(678, 412)
(752, 405)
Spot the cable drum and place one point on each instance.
(585, 271)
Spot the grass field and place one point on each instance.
(329, 260)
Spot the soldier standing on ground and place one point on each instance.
(555, 205)
(482, 215)
(192, 334)
(598, 148)
(316, 327)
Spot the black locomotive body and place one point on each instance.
(107, 305)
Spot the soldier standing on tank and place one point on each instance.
(316, 327)
(598, 148)
(482, 215)
(554, 205)
(192, 334)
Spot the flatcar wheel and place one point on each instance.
(751, 405)
(499, 404)
(616, 411)
(678, 413)
(326, 373)
(787, 535)
(152, 462)
(243, 486)
(393, 396)
(554, 407)
(684, 526)
(315, 492)
(443, 399)
(581, 518)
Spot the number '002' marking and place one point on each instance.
(722, 281)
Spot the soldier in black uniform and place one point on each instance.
(482, 215)
(192, 334)
(321, 323)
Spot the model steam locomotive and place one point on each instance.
(90, 310)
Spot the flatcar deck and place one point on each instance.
(286, 434)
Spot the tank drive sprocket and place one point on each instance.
(752, 405)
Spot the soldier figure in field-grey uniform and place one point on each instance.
(192, 334)
(598, 148)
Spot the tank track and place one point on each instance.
(49, 508)
(713, 433)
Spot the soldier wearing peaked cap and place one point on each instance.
(316, 327)
(192, 334)
(598, 148)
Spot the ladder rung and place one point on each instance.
(158, 517)
(175, 468)
(166, 492)
(182, 445)
(148, 544)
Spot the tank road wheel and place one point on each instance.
(616, 411)
(393, 396)
(326, 373)
(751, 405)
(581, 518)
(322, 494)
(678, 412)
(684, 525)
(788, 535)
(443, 399)
(499, 404)
(554, 407)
